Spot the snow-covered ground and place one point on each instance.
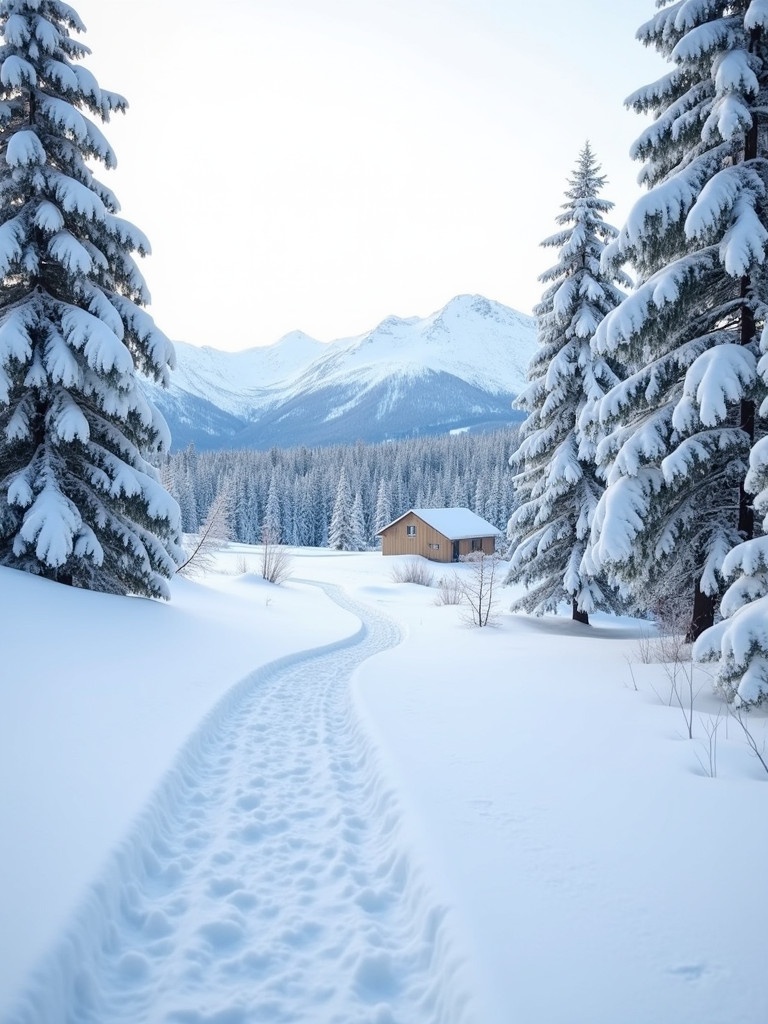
(334, 801)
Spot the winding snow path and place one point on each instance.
(269, 879)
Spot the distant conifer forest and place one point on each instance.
(294, 492)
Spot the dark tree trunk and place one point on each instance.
(746, 414)
(746, 511)
(57, 576)
(703, 614)
(579, 616)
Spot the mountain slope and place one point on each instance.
(461, 367)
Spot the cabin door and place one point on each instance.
(455, 551)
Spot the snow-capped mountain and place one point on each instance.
(461, 367)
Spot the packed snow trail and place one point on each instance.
(268, 879)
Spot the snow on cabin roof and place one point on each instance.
(453, 523)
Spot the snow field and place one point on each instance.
(267, 880)
(507, 791)
(94, 714)
(595, 872)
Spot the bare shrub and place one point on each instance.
(480, 587)
(646, 648)
(756, 746)
(276, 565)
(414, 570)
(451, 590)
(632, 673)
(670, 648)
(674, 654)
(242, 565)
(213, 536)
(708, 759)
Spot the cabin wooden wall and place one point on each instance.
(395, 540)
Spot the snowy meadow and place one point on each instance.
(334, 800)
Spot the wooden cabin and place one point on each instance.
(439, 534)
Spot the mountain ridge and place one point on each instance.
(461, 366)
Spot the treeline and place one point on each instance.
(294, 491)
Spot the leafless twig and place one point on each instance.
(758, 750)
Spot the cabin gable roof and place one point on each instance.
(452, 523)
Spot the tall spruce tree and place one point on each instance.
(357, 539)
(677, 432)
(739, 642)
(340, 531)
(80, 501)
(271, 526)
(383, 512)
(556, 484)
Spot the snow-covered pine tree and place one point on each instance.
(272, 522)
(339, 529)
(307, 512)
(677, 431)
(493, 502)
(459, 493)
(739, 642)
(357, 540)
(480, 497)
(383, 512)
(556, 483)
(79, 500)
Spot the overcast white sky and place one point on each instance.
(322, 164)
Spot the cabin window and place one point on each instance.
(410, 531)
(434, 547)
(477, 544)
